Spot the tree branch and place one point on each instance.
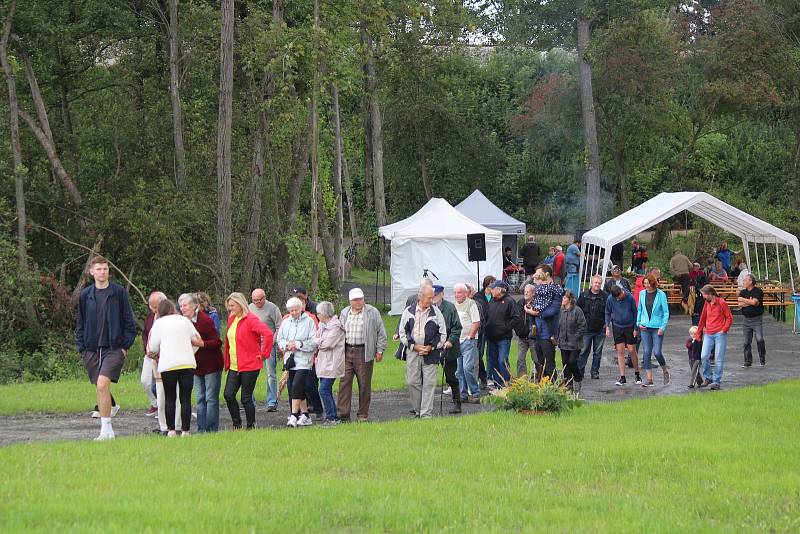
(67, 240)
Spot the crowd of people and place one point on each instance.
(186, 351)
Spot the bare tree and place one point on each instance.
(589, 125)
(42, 130)
(315, 187)
(338, 164)
(16, 150)
(376, 131)
(171, 24)
(224, 218)
(260, 151)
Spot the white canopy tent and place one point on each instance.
(435, 238)
(596, 243)
(483, 211)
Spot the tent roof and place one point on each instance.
(436, 219)
(666, 205)
(481, 210)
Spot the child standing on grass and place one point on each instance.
(546, 293)
(695, 348)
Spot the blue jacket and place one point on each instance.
(659, 317)
(549, 317)
(119, 320)
(621, 313)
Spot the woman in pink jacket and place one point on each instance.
(329, 342)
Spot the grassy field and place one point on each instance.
(713, 462)
(367, 278)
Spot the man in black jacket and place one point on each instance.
(525, 342)
(530, 255)
(452, 347)
(593, 303)
(482, 297)
(104, 333)
(501, 321)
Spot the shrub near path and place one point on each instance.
(729, 461)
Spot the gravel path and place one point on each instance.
(783, 361)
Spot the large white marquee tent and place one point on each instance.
(435, 238)
(767, 241)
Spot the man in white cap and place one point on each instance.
(364, 343)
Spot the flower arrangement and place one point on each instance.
(522, 395)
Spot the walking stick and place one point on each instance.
(441, 391)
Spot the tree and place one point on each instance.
(224, 218)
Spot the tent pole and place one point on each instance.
(581, 270)
(791, 274)
(758, 262)
(778, 260)
(606, 260)
(383, 263)
(746, 248)
(766, 264)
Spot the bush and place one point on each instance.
(522, 395)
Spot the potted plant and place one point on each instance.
(523, 396)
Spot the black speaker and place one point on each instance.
(476, 247)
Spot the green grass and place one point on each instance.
(367, 278)
(77, 395)
(727, 461)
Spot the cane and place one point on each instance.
(441, 391)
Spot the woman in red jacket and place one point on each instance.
(248, 343)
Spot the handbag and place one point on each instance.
(289, 364)
(400, 353)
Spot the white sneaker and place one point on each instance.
(95, 414)
(447, 391)
(114, 410)
(304, 421)
(104, 437)
(292, 421)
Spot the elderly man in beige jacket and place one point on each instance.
(365, 341)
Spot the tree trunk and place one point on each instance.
(624, 202)
(797, 173)
(377, 145)
(224, 219)
(369, 196)
(175, 95)
(423, 169)
(254, 215)
(589, 126)
(348, 185)
(16, 150)
(280, 266)
(42, 131)
(316, 194)
(338, 224)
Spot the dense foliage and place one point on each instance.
(471, 94)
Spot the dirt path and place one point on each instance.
(783, 361)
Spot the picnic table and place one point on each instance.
(776, 296)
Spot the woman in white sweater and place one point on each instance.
(296, 341)
(173, 342)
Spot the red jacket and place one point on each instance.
(253, 343)
(208, 357)
(716, 318)
(558, 263)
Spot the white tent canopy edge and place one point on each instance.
(748, 228)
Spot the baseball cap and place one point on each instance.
(615, 268)
(299, 290)
(500, 284)
(355, 293)
(437, 289)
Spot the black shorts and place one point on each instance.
(624, 335)
(106, 362)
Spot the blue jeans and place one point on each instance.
(326, 394)
(207, 390)
(497, 360)
(714, 343)
(591, 341)
(467, 369)
(272, 379)
(651, 342)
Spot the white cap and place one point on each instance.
(355, 293)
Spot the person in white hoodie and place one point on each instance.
(173, 341)
(296, 341)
